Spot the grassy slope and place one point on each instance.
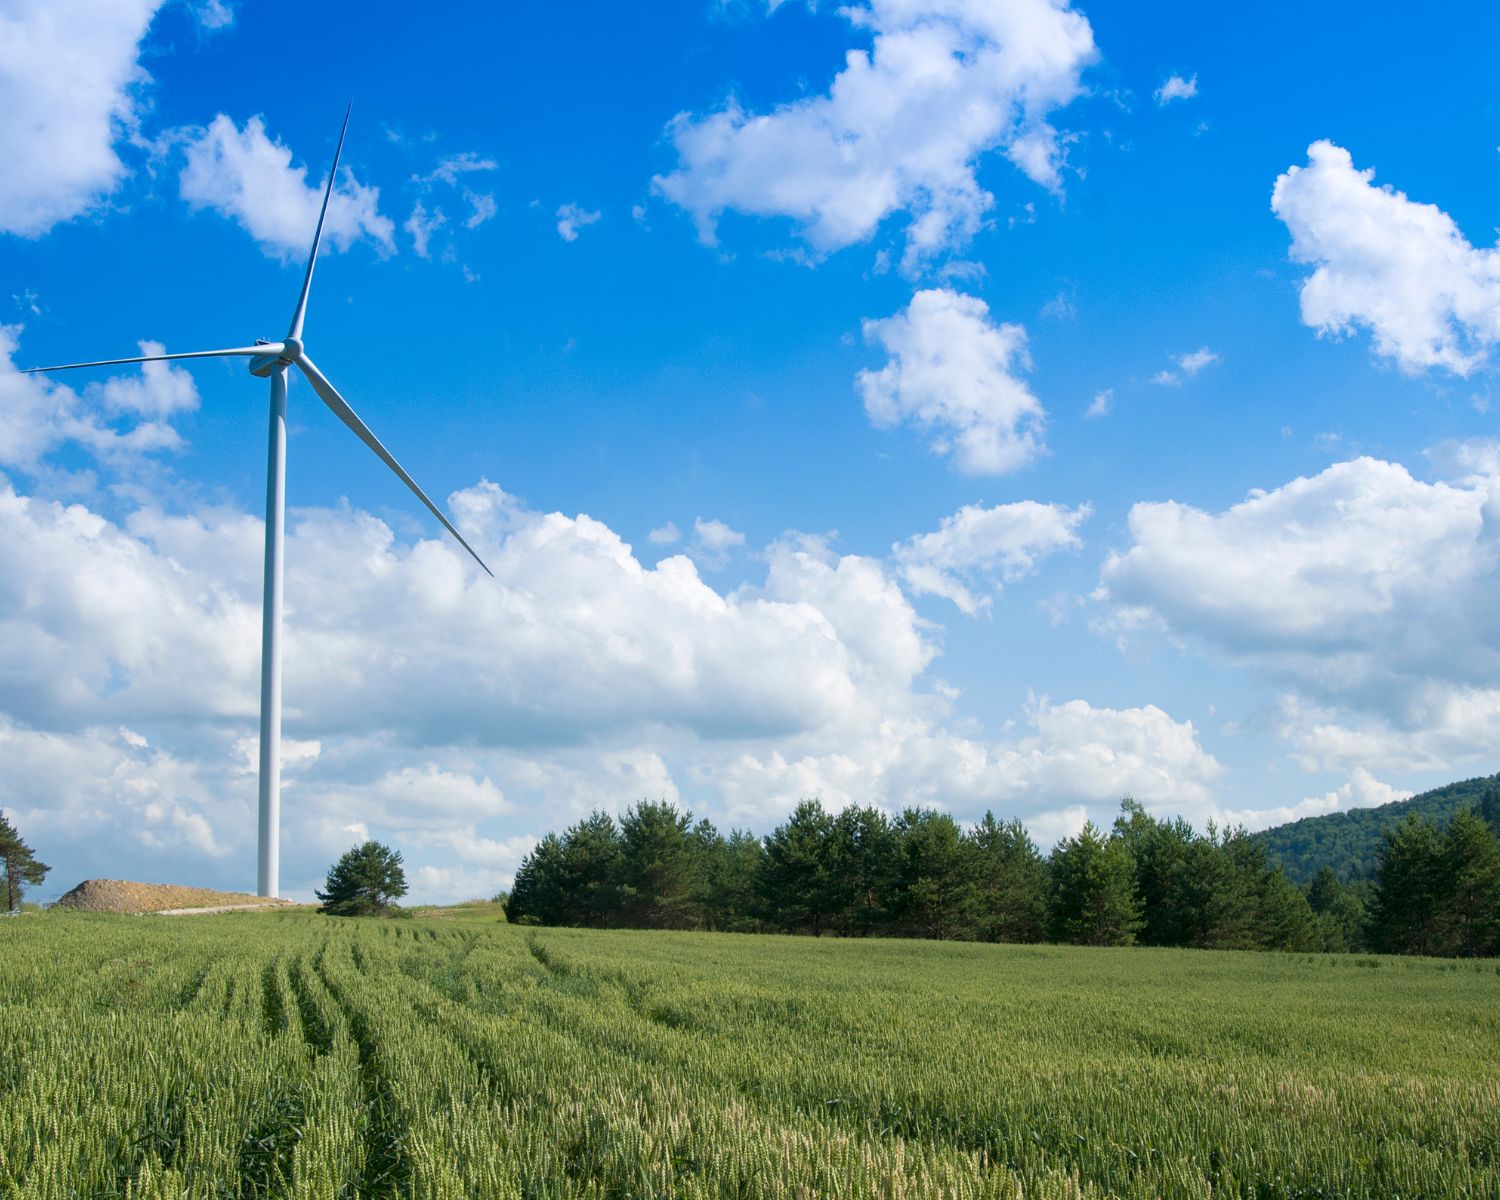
(1349, 842)
(460, 1056)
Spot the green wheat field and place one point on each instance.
(294, 1055)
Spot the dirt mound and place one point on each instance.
(122, 896)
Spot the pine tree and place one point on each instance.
(1470, 872)
(862, 870)
(1219, 894)
(1094, 901)
(589, 877)
(536, 897)
(1191, 890)
(22, 868)
(1338, 912)
(1266, 910)
(1324, 890)
(1285, 919)
(661, 872)
(938, 880)
(1489, 808)
(1012, 882)
(1408, 889)
(731, 866)
(365, 882)
(793, 886)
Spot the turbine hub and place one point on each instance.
(293, 350)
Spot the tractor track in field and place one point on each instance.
(314, 1030)
(272, 999)
(387, 1168)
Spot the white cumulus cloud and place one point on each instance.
(160, 390)
(982, 548)
(69, 78)
(458, 716)
(107, 786)
(245, 175)
(955, 372)
(39, 414)
(1389, 264)
(902, 128)
(1344, 576)
(1071, 758)
(1425, 725)
(1367, 592)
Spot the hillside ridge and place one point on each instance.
(1349, 841)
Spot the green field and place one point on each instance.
(304, 1056)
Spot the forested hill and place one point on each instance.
(1349, 842)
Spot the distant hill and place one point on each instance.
(1349, 842)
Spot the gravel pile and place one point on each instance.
(122, 896)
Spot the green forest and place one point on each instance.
(1349, 842)
(1434, 889)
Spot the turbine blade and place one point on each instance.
(271, 348)
(301, 310)
(330, 396)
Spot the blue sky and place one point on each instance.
(920, 402)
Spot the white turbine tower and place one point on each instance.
(270, 360)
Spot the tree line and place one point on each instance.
(860, 873)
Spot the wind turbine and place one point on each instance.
(271, 360)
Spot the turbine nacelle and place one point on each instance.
(271, 356)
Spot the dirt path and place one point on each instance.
(218, 908)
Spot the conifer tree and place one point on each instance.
(1470, 873)
(22, 868)
(537, 897)
(1489, 808)
(793, 886)
(1407, 917)
(1012, 882)
(1338, 911)
(1324, 890)
(1219, 895)
(1094, 901)
(589, 873)
(1284, 919)
(863, 850)
(661, 868)
(730, 870)
(938, 879)
(1190, 891)
(365, 882)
